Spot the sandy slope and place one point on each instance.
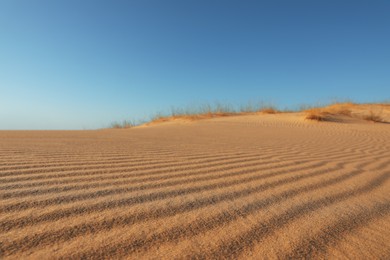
(253, 186)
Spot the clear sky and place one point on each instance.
(76, 64)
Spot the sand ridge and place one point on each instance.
(254, 186)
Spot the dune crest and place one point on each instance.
(336, 112)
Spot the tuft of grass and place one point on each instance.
(122, 125)
(324, 113)
(375, 117)
(343, 109)
(269, 110)
(316, 117)
(316, 114)
(340, 108)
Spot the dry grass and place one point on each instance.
(316, 115)
(362, 111)
(122, 125)
(341, 108)
(375, 117)
(212, 111)
(325, 113)
(331, 112)
(269, 110)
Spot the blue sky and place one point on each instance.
(75, 64)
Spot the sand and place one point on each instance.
(254, 186)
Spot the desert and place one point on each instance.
(171, 129)
(275, 185)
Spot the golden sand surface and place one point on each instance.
(242, 187)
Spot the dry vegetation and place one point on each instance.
(330, 112)
(270, 110)
(327, 113)
(374, 117)
(122, 125)
(247, 187)
(211, 111)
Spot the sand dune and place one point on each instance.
(251, 186)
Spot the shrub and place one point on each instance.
(316, 115)
(374, 117)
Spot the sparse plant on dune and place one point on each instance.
(122, 125)
(204, 111)
(316, 114)
(325, 113)
(316, 117)
(375, 117)
(340, 108)
(269, 110)
(328, 113)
